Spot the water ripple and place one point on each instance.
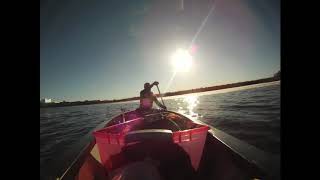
(252, 115)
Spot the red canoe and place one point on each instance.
(164, 145)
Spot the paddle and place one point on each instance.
(160, 95)
(165, 105)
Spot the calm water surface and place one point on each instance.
(251, 114)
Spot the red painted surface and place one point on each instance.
(192, 141)
(91, 170)
(110, 141)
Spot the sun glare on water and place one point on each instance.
(190, 101)
(181, 60)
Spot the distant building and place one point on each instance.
(45, 100)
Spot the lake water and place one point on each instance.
(250, 113)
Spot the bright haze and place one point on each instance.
(102, 49)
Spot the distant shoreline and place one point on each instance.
(168, 94)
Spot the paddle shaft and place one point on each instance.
(160, 95)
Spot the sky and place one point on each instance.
(100, 49)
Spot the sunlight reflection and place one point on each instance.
(192, 101)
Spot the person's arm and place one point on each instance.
(158, 103)
(141, 97)
(154, 83)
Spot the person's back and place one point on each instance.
(147, 97)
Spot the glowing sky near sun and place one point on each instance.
(107, 50)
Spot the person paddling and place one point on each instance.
(147, 97)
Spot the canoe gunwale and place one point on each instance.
(265, 162)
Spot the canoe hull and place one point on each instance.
(224, 157)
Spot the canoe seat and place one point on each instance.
(149, 134)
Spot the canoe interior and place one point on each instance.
(165, 160)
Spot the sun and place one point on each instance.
(181, 60)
